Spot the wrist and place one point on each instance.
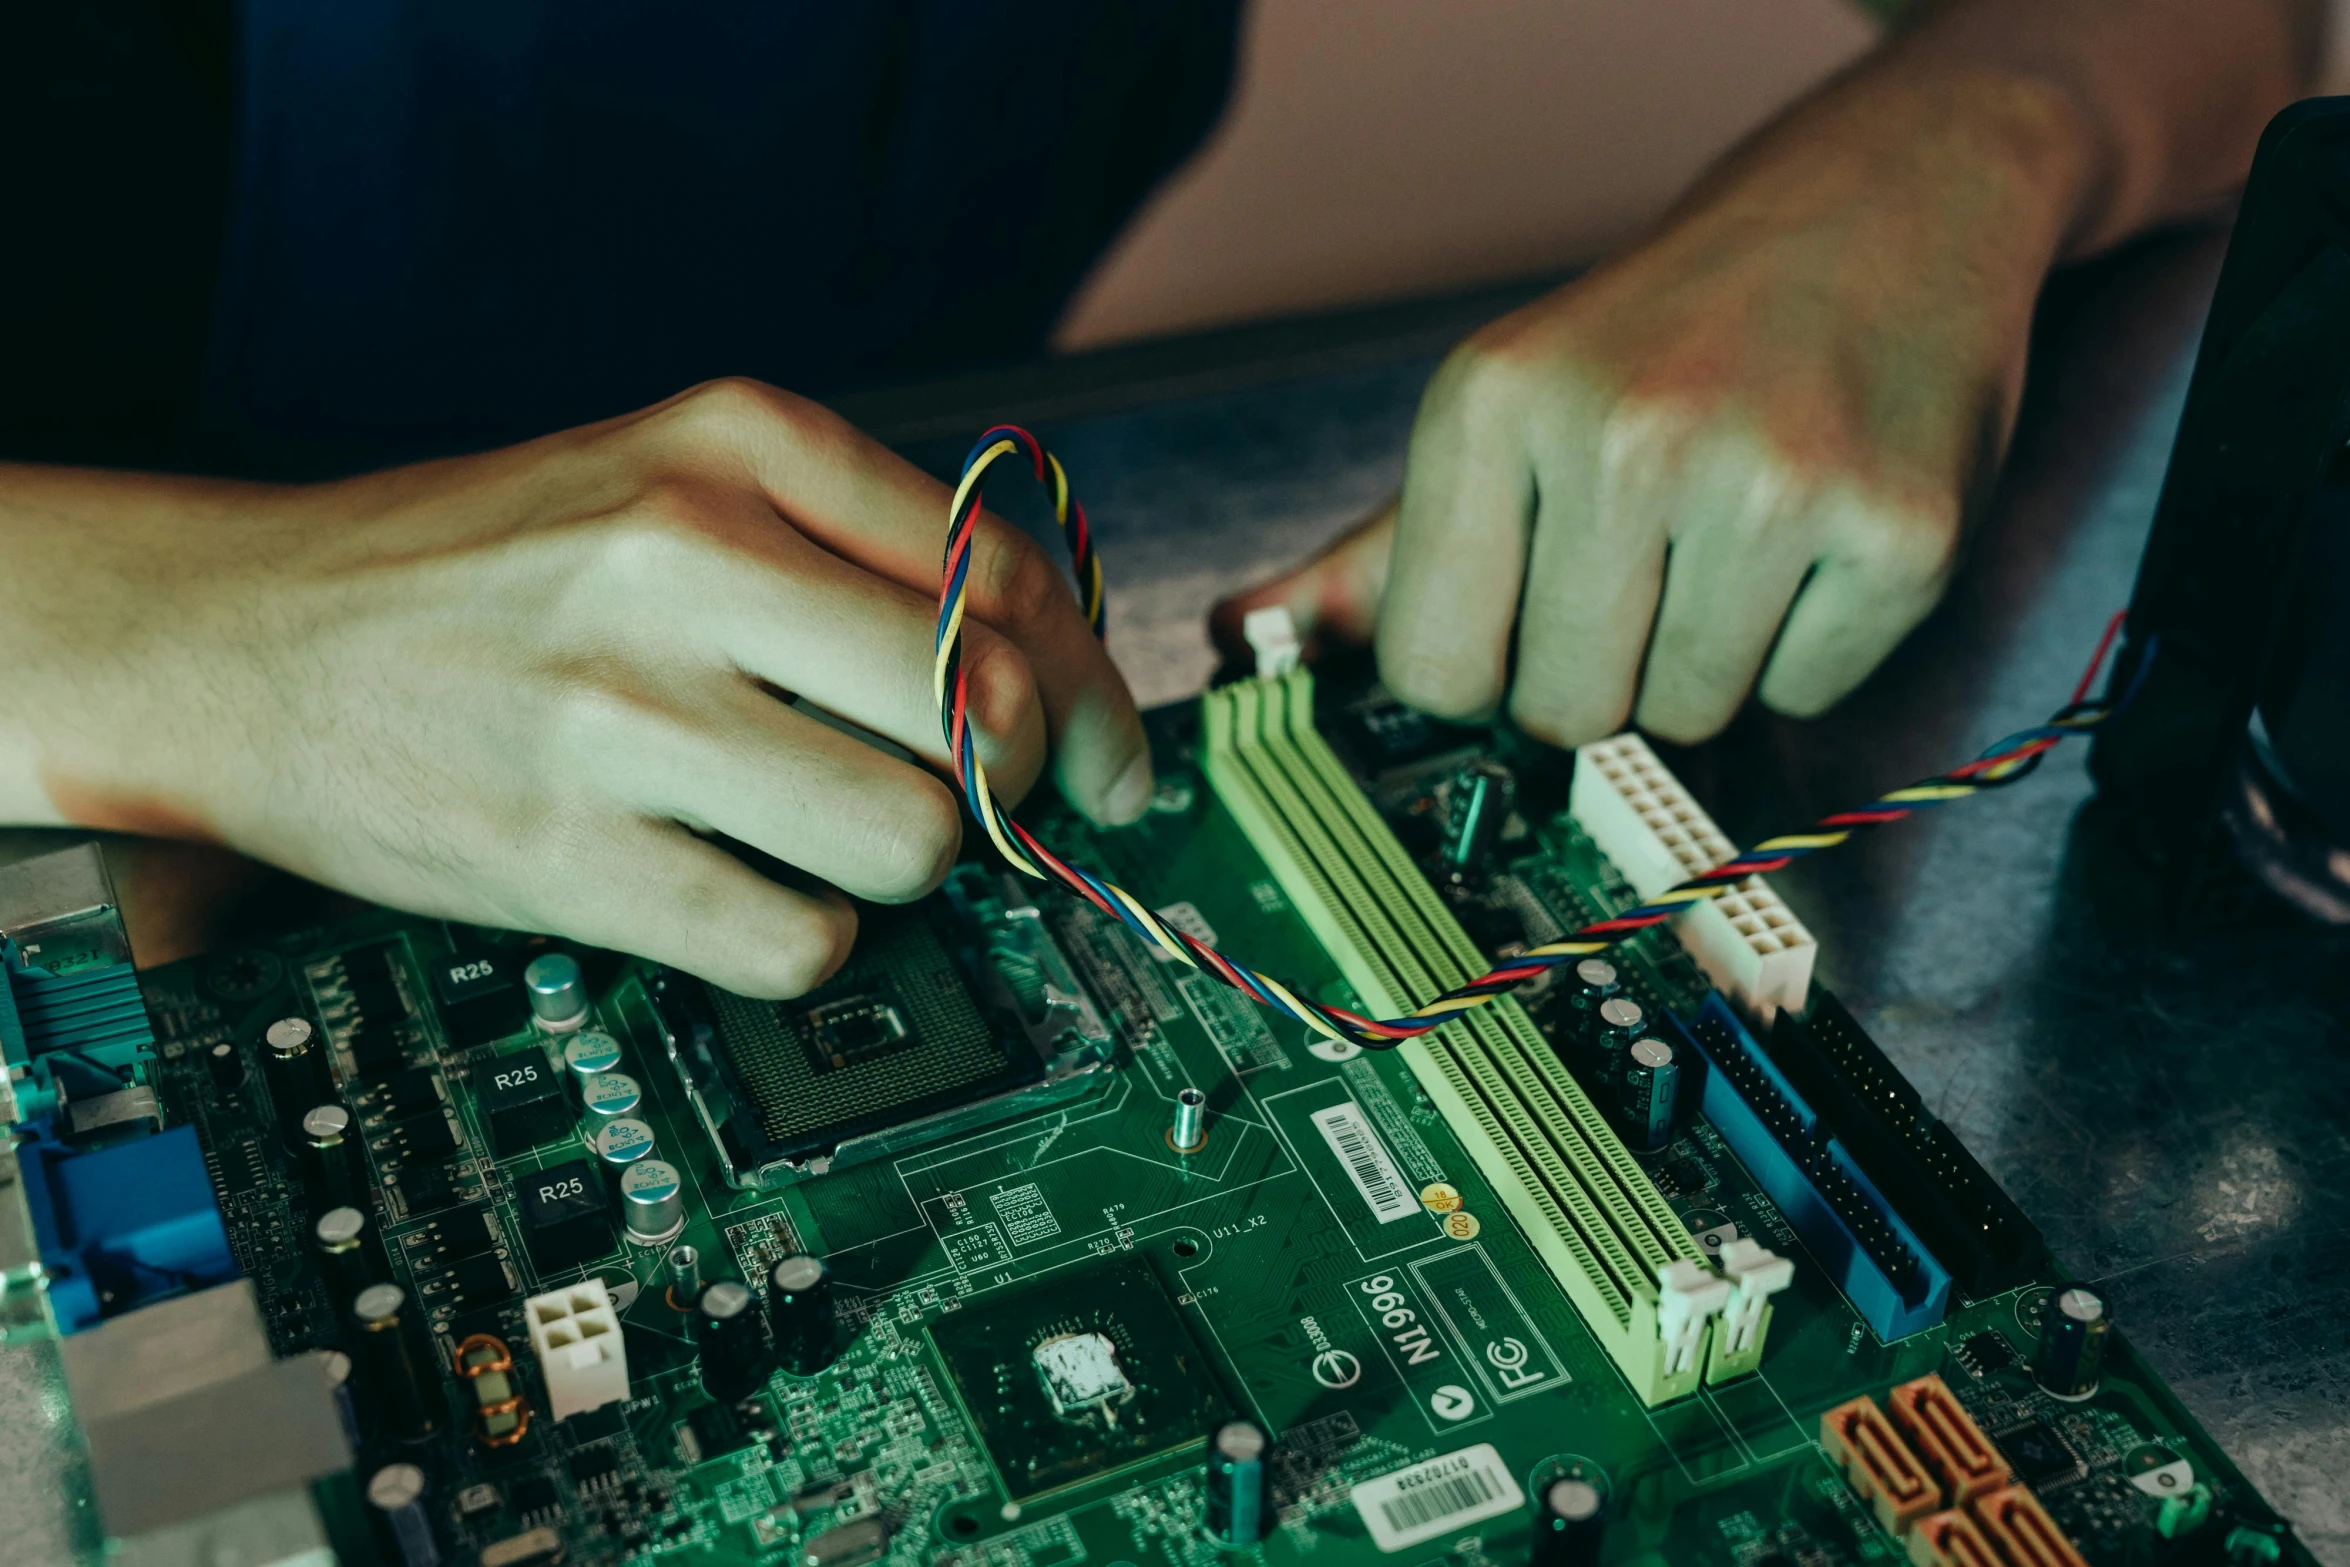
(111, 701)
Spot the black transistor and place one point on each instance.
(410, 1092)
(565, 1219)
(481, 997)
(478, 1282)
(523, 1101)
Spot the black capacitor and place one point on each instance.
(1620, 1022)
(395, 1495)
(333, 1171)
(1595, 980)
(732, 1344)
(338, 1377)
(801, 1311)
(397, 1372)
(2073, 1331)
(350, 1253)
(1651, 1084)
(294, 1064)
(226, 1063)
(1237, 1515)
(1477, 803)
(1569, 1521)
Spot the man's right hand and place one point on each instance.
(528, 688)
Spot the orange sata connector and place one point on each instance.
(1950, 1540)
(2023, 1531)
(1878, 1464)
(1942, 1433)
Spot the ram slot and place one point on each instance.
(1598, 1223)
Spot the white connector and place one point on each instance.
(1272, 635)
(575, 1334)
(1756, 1273)
(1689, 1295)
(1750, 944)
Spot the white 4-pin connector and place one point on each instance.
(1749, 944)
(575, 1334)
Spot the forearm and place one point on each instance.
(2167, 97)
(89, 598)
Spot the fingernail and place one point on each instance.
(1131, 794)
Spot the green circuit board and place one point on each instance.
(1334, 1262)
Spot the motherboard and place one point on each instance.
(1020, 1244)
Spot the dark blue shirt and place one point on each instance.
(313, 238)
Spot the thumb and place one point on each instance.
(1333, 598)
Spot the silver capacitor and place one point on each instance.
(589, 1052)
(558, 991)
(608, 1095)
(652, 1201)
(395, 1494)
(622, 1141)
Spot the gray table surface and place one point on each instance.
(2170, 1111)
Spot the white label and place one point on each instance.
(1437, 1497)
(1367, 1162)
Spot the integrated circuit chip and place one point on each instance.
(1081, 1372)
(1080, 1376)
(895, 1036)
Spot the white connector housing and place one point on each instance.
(575, 1334)
(1750, 944)
(1755, 1273)
(1689, 1295)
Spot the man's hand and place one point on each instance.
(1741, 456)
(530, 688)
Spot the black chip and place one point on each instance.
(1985, 1353)
(2040, 1455)
(565, 1219)
(592, 1425)
(535, 1495)
(243, 1168)
(1684, 1175)
(716, 1430)
(523, 1100)
(478, 1282)
(593, 1463)
(377, 1050)
(481, 996)
(465, 1233)
(411, 1092)
(367, 973)
(426, 1188)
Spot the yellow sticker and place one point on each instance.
(1437, 1197)
(1461, 1226)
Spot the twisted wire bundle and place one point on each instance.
(2009, 761)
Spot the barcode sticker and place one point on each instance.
(1437, 1497)
(1367, 1162)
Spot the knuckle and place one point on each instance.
(915, 837)
(1435, 685)
(1018, 584)
(1003, 691)
(1557, 719)
(810, 948)
(1908, 545)
(590, 716)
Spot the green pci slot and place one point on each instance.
(1600, 1225)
